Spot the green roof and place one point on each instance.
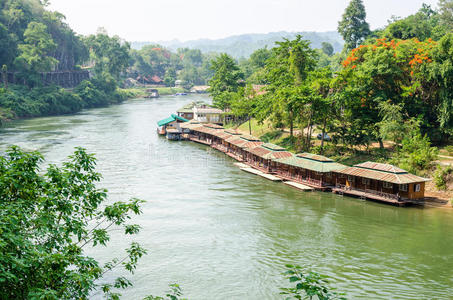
(250, 138)
(273, 147)
(322, 165)
(170, 119)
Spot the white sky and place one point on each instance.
(154, 20)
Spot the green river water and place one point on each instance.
(222, 233)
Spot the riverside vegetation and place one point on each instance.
(391, 87)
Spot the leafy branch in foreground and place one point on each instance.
(308, 286)
(174, 293)
(46, 222)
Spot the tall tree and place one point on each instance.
(286, 71)
(109, 54)
(446, 11)
(327, 48)
(227, 79)
(353, 26)
(34, 52)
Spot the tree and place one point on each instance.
(243, 104)
(446, 11)
(286, 72)
(309, 285)
(423, 25)
(416, 153)
(46, 222)
(327, 48)
(353, 27)
(34, 52)
(109, 54)
(227, 79)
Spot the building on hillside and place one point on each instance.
(310, 169)
(205, 114)
(199, 89)
(381, 182)
(263, 156)
(172, 122)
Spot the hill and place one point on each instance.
(245, 44)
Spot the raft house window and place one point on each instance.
(387, 185)
(417, 187)
(341, 176)
(350, 178)
(403, 187)
(365, 181)
(329, 174)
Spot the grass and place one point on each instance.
(169, 90)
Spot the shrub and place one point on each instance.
(442, 177)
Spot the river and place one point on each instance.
(222, 233)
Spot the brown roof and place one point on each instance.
(270, 151)
(314, 157)
(382, 172)
(380, 167)
(250, 145)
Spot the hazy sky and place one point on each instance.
(152, 20)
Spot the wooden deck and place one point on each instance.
(314, 184)
(259, 173)
(299, 186)
(232, 155)
(369, 196)
(193, 139)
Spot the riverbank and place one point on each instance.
(19, 101)
(433, 196)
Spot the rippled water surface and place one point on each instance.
(225, 234)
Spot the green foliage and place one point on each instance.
(353, 26)
(423, 25)
(34, 52)
(108, 54)
(327, 48)
(442, 176)
(48, 218)
(446, 11)
(416, 154)
(307, 286)
(392, 127)
(174, 293)
(226, 80)
(188, 65)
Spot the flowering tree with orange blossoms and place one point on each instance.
(402, 72)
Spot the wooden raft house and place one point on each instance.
(172, 124)
(380, 182)
(263, 157)
(313, 170)
(373, 181)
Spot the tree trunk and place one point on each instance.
(291, 125)
(381, 143)
(308, 133)
(250, 125)
(323, 133)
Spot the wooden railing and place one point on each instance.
(301, 179)
(368, 191)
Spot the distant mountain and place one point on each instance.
(245, 44)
